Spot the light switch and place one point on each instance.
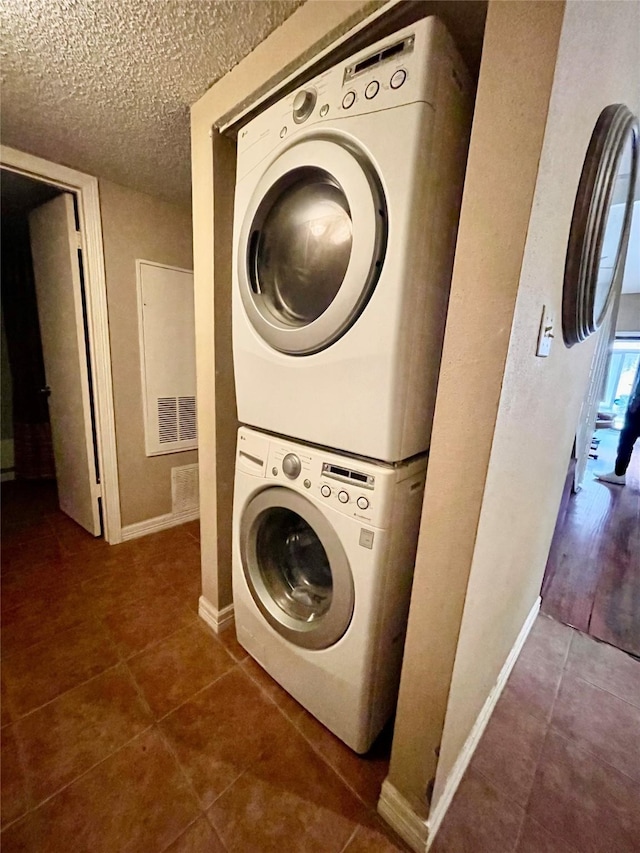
(545, 333)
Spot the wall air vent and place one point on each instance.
(184, 489)
(187, 418)
(167, 357)
(167, 419)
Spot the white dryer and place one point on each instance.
(346, 210)
(323, 556)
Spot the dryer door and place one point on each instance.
(311, 246)
(296, 568)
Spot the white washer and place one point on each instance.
(323, 555)
(346, 210)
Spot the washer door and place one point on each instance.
(311, 246)
(296, 568)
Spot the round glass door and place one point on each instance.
(294, 565)
(311, 246)
(296, 568)
(303, 248)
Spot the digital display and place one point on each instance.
(342, 472)
(391, 51)
(366, 480)
(369, 61)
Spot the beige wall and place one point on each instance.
(541, 398)
(519, 47)
(628, 319)
(136, 225)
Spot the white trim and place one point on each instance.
(86, 189)
(399, 814)
(217, 620)
(152, 448)
(6, 476)
(160, 522)
(466, 753)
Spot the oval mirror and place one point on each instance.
(599, 232)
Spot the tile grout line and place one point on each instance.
(605, 690)
(547, 723)
(315, 749)
(197, 693)
(186, 779)
(154, 644)
(47, 799)
(350, 839)
(593, 755)
(66, 692)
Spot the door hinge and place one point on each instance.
(79, 239)
(97, 490)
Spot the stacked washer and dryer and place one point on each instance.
(346, 208)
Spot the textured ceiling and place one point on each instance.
(105, 86)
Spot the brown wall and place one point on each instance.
(541, 398)
(135, 225)
(519, 47)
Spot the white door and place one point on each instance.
(56, 265)
(296, 568)
(311, 246)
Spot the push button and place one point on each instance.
(325, 491)
(398, 78)
(372, 89)
(348, 100)
(363, 503)
(343, 497)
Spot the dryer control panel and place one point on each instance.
(401, 69)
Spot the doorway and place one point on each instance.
(52, 427)
(84, 189)
(592, 578)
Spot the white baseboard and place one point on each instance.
(466, 753)
(160, 522)
(399, 814)
(217, 620)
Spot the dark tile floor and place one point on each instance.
(558, 767)
(128, 726)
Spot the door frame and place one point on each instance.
(85, 188)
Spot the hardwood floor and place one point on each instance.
(592, 580)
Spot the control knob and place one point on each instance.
(291, 466)
(303, 105)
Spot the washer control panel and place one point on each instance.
(352, 488)
(358, 488)
(343, 485)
